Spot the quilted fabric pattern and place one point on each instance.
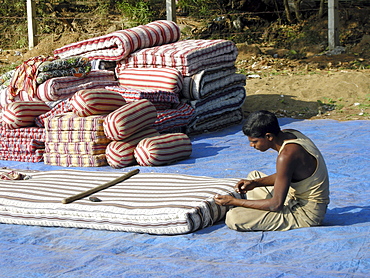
(95, 102)
(23, 114)
(129, 119)
(163, 149)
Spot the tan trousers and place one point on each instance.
(295, 214)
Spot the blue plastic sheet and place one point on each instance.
(338, 248)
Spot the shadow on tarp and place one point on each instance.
(253, 103)
(347, 216)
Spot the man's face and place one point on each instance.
(261, 144)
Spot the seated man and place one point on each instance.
(296, 196)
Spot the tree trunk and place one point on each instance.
(287, 11)
(321, 10)
(297, 7)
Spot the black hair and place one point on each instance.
(261, 122)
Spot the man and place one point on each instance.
(295, 196)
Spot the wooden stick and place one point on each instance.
(99, 187)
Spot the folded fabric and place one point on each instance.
(24, 156)
(61, 107)
(171, 119)
(117, 45)
(97, 137)
(23, 114)
(129, 119)
(90, 148)
(121, 153)
(77, 72)
(63, 87)
(162, 79)
(95, 102)
(163, 149)
(75, 160)
(72, 122)
(211, 81)
(61, 64)
(21, 144)
(189, 56)
(36, 133)
(6, 77)
(215, 122)
(230, 99)
(154, 96)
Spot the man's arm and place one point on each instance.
(245, 185)
(285, 166)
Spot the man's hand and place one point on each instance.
(243, 186)
(224, 200)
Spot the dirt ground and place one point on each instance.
(314, 87)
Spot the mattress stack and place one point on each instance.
(73, 141)
(211, 85)
(22, 144)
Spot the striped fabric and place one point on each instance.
(63, 87)
(75, 148)
(188, 56)
(95, 102)
(170, 204)
(215, 122)
(36, 133)
(117, 45)
(72, 122)
(208, 82)
(223, 101)
(20, 144)
(22, 114)
(163, 149)
(129, 119)
(75, 160)
(61, 107)
(69, 136)
(173, 118)
(162, 79)
(120, 154)
(154, 96)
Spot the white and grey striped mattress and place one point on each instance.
(151, 203)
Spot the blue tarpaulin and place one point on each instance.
(338, 248)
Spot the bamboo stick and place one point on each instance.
(99, 187)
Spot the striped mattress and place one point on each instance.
(151, 203)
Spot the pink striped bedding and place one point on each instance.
(129, 119)
(72, 122)
(36, 133)
(117, 45)
(70, 136)
(95, 102)
(20, 144)
(161, 79)
(170, 119)
(91, 148)
(22, 156)
(188, 56)
(75, 160)
(63, 87)
(163, 149)
(120, 154)
(61, 107)
(154, 96)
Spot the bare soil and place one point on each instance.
(317, 86)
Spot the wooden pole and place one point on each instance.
(171, 10)
(333, 23)
(99, 187)
(31, 14)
